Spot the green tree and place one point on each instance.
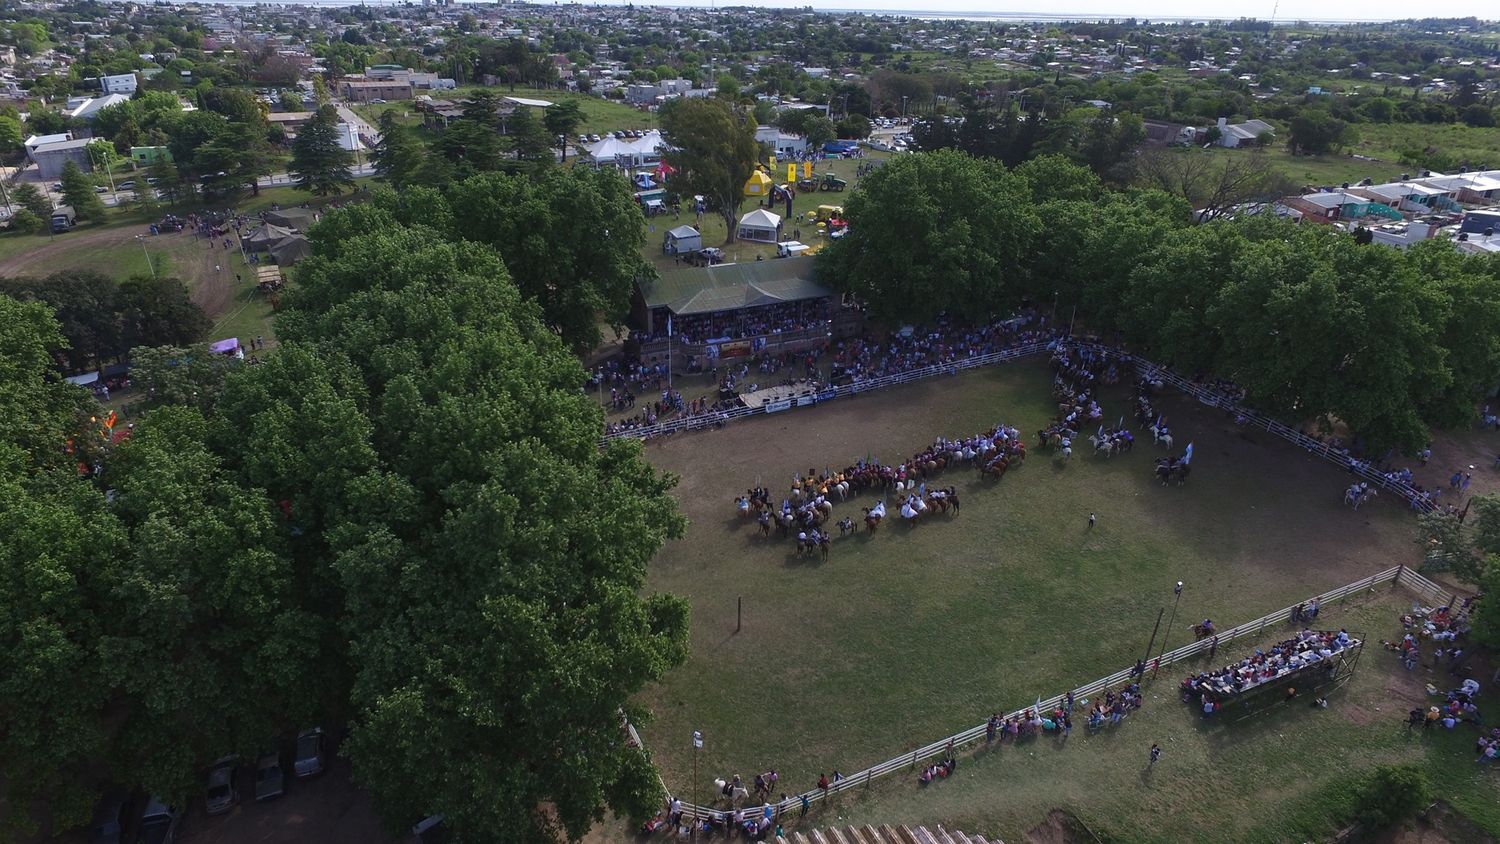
(84, 303)
(562, 120)
(78, 192)
(27, 196)
(27, 222)
(158, 311)
(1486, 615)
(471, 146)
(1391, 794)
(398, 155)
(485, 662)
(854, 126)
(527, 138)
(1441, 535)
(289, 100)
(319, 164)
(1315, 132)
(10, 133)
(168, 179)
(547, 230)
(183, 376)
(712, 150)
(935, 232)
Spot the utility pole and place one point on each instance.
(141, 239)
(697, 746)
(1178, 590)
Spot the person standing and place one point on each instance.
(1155, 755)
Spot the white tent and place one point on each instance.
(648, 146)
(613, 151)
(761, 225)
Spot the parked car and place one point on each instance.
(108, 826)
(57, 187)
(311, 750)
(159, 823)
(100, 189)
(269, 778)
(221, 794)
(128, 184)
(430, 830)
(150, 180)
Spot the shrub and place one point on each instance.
(1392, 794)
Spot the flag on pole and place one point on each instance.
(1187, 456)
(669, 323)
(773, 162)
(807, 169)
(791, 172)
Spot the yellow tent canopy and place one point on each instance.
(759, 184)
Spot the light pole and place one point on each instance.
(141, 239)
(903, 109)
(1178, 591)
(697, 746)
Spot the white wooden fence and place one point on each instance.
(1426, 590)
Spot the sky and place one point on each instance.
(1279, 10)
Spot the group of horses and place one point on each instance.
(1358, 494)
(1172, 469)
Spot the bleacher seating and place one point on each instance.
(885, 834)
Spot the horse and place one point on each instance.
(1067, 449)
(1102, 445)
(785, 522)
(1204, 629)
(1164, 467)
(846, 526)
(1161, 437)
(995, 468)
(765, 522)
(873, 517)
(824, 540)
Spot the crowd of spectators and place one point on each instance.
(1307, 650)
(748, 322)
(912, 348)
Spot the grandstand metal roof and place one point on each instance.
(729, 287)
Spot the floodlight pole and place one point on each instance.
(1157, 667)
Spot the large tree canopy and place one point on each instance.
(1313, 324)
(571, 238)
(936, 232)
(712, 151)
(489, 554)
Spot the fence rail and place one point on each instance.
(1205, 395)
(1397, 576)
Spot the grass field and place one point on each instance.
(916, 633)
(111, 246)
(713, 229)
(599, 115)
(1284, 775)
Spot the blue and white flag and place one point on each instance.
(1187, 456)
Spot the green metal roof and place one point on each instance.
(728, 287)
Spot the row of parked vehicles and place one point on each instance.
(115, 819)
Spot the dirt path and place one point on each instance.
(56, 247)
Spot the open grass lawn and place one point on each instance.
(1283, 775)
(599, 115)
(713, 229)
(1386, 141)
(234, 306)
(915, 633)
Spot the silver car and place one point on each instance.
(159, 822)
(221, 795)
(269, 778)
(311, 749)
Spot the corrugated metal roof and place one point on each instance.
(728, 287)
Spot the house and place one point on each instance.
(90, 108)
(291, 121)
(1234, 135)
(681, 240)
(1482, 188)
(124, 83)
(782, 143)
(35, 141)
(368, 90)
(147, 156)
(1403, 235)
(638, 94)
(759, 225)
(1409, 197)
(1327, 207)
(50, 158)
(1163, 132)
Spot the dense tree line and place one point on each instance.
(103, 318)
(1314, 325)
(402, 520)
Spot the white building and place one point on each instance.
(124, 83)
(1241, 134)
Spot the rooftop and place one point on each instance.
(728, 287)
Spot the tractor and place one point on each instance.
(807, 185)
(832, 182)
